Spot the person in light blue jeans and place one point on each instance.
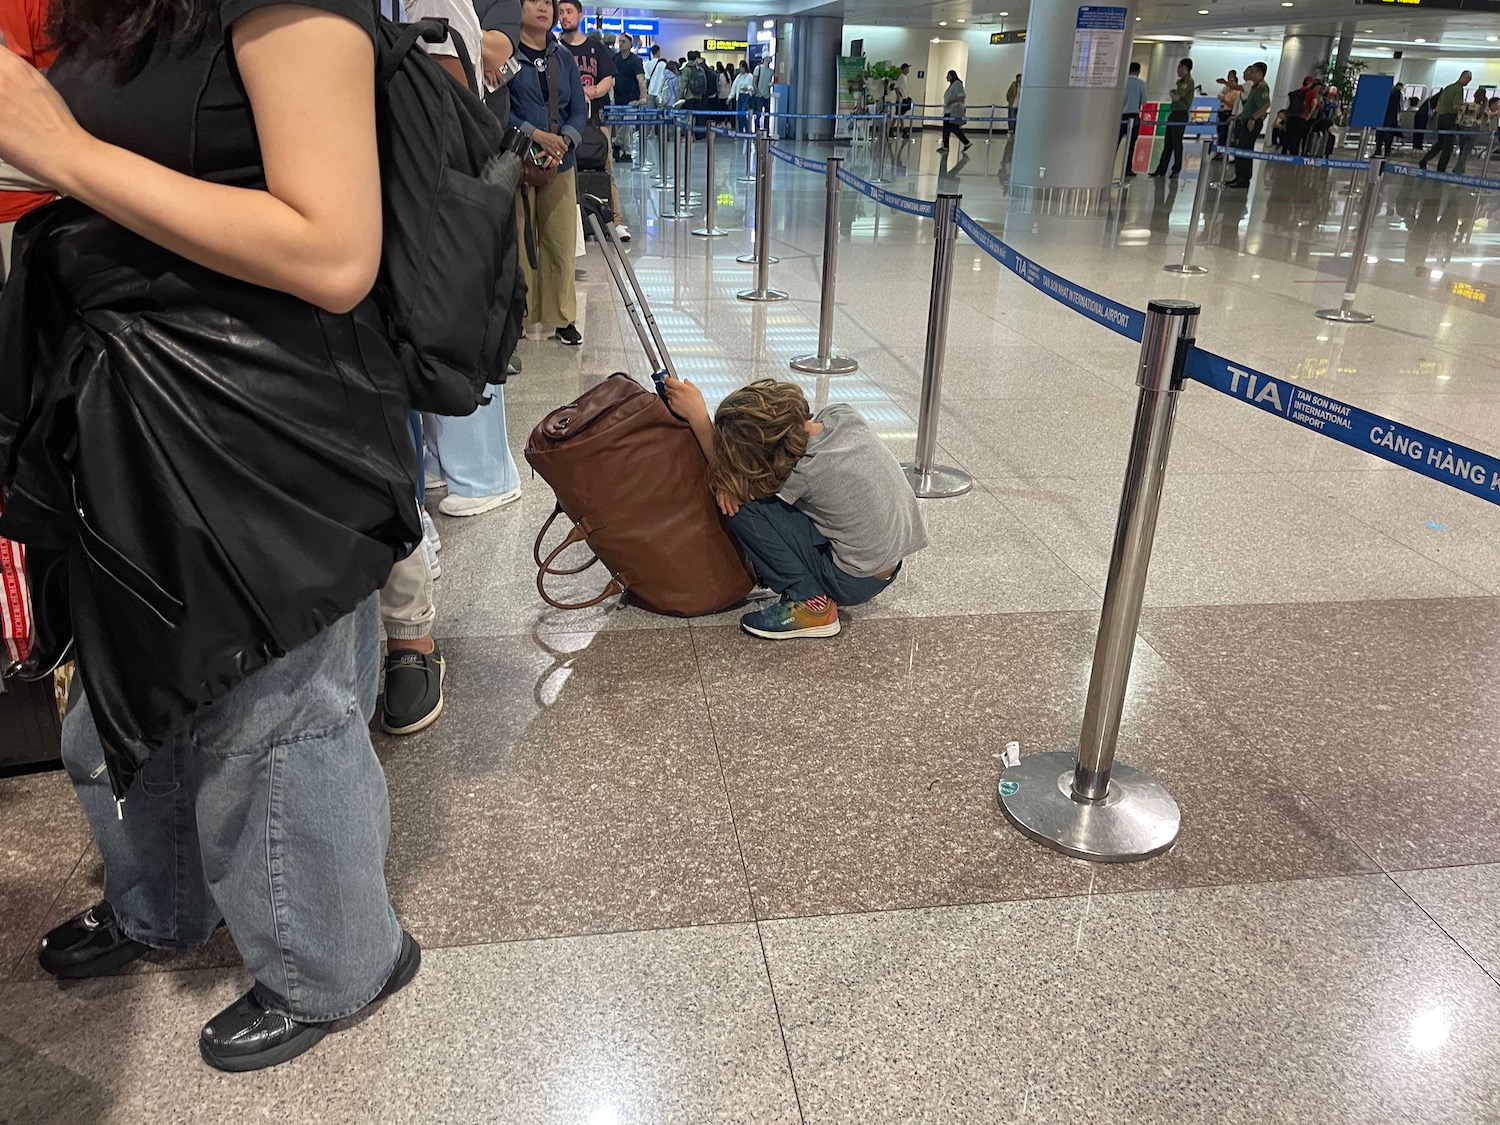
(267, 812)
(471, 456)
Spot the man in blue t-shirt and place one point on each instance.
(1130, 115)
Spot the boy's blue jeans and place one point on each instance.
(792, 557)
(269, 811)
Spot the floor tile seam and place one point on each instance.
(781, 1029)
(739, 844)
(1462, 948)
(12, 973)
(1091, 614)
(1121, 892)
(166, 969)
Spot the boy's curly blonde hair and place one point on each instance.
(759, 436)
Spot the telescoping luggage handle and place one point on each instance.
(623, 273)
(617, 584)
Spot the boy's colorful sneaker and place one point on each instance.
(816, 617)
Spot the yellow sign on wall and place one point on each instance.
(725, 45)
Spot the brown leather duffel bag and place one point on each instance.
(631, 477)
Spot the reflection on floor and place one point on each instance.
(667, 874)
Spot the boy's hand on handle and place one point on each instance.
(685, 398)
(727, 503)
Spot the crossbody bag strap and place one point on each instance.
(552, 121)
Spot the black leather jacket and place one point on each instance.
(205, 472)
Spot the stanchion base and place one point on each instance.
(761, 295)
(1137, 820)
(824, 365)
(752, 260)
(1178, 267)
(744, 179)
(877, 180)
(1350, 317)
(941, 481)
(710, 232)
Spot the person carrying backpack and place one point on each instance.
(224, 530)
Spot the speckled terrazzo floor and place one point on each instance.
(665, 874)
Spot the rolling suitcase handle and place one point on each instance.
(616, 585)
(639, 309)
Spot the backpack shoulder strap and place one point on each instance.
(552, 119)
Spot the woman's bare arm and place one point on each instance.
(315, 232)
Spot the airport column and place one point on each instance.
(1301, 55)
(815, 83)
(1072, 88)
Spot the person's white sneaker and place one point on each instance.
(622, 232)
(476, 505)
(432, 482)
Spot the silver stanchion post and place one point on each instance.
(710, 228)
(689, 196)
(1345, 313)
(880, 150)
(660, 179)
(825, 362)
(673, 190)
(928, 480)
(1199, 196)
(762, 165)
(763, 259)
(749, 176)
(1091, 807)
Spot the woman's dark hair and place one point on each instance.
(116, 29)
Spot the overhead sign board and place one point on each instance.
(998, 37)
(618, 24)
(1445, 5)
(725, 45)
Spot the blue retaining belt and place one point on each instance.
(924, 207)
(799, 161)
(1455, 465)
(1442, 177)
(1128, 322)
(1283, 158)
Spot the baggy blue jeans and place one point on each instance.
(792, 557)
(472, 452)
(269, 811)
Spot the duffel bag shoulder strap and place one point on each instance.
(616, 585)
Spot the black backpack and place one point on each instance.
(593, 149)
(697, 81)
(449, 284)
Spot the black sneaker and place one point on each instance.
(245, 1036)
(89, 945)
(570, 336)
(413, 697)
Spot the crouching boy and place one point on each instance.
(820, 506)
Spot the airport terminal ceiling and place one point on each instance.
(1428, 28)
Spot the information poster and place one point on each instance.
(1098, 46)
(851, 72)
